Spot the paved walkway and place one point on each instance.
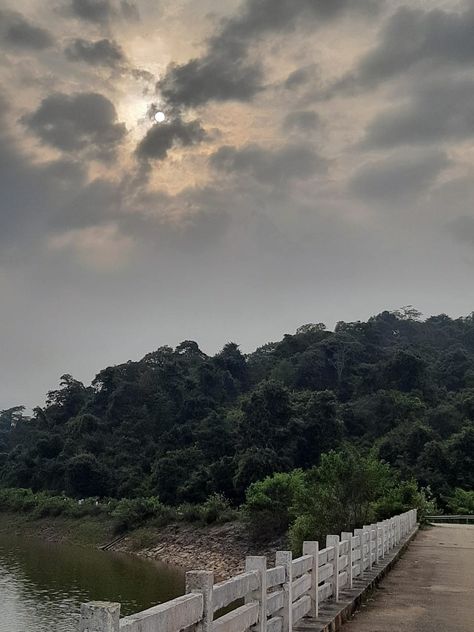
(431, 588)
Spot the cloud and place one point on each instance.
(301, 77)
(102, 11)
(161, 138)
(462, 229)
(130, 11)
(219, 76)
(269, 166)
(18, 32)
(98, 11)
(413, 37)
(103, 52)
(398, 178)
(31, 192)
(225, 72)
(84, 120)
(302, 121)
(258, 17)
(439, 109)
(103, 247)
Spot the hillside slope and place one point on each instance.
(181, 425)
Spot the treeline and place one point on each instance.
(181, 426)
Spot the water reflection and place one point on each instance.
(42, 584)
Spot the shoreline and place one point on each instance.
(221, 548)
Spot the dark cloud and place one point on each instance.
(103, 52)
(398, 178)
(219, 77)
(98, 11)
(259, 17)
(270, 166)
(162, 137)
(18, 32)
(224, 72)
(302, 121)
(437, 110)
(31, 191)
(415, 38)
(139, 73)
(301, 77)
(84, 120)
(102, 11)
(130, 11)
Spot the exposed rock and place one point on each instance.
(220, 548)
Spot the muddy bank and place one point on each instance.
(220, 548)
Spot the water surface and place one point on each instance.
(42, 584)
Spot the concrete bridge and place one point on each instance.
(316, 592)
(431, 588)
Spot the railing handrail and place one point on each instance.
(450, 516)
(274, 599)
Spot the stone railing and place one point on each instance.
(273, 599)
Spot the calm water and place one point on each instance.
(42, 584)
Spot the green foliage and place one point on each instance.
(217, 509)
(43, 504)
(404, 496)
(339, 495)
(269, 506)
(461, 502)
(131, 513)
(182, 426)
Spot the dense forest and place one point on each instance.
(182, 425)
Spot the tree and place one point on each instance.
(85, 476)
(339, 495)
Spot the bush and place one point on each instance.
(462, 502)
(18, 500)
(404, 496)
(133, 512)
(269, 507)
(217, 509)
(188, 512)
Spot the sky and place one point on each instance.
(315, 164)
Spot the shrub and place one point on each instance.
(269, 507)
(404, 496)
(132, 512)
(462, 502)
(188, 512)
(217, 509)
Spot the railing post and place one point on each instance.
(360, 533)
(285, 559)
(333, 540)
(373, 544)
(378, 542)
(99, 616)
(202, 582)
(258, 563)
(312, 548)
(346, 536)
(355, 555)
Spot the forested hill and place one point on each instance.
(181, 425)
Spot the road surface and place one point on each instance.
(430, 589)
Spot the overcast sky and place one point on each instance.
(315, 165)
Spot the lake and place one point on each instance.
(42, 584)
